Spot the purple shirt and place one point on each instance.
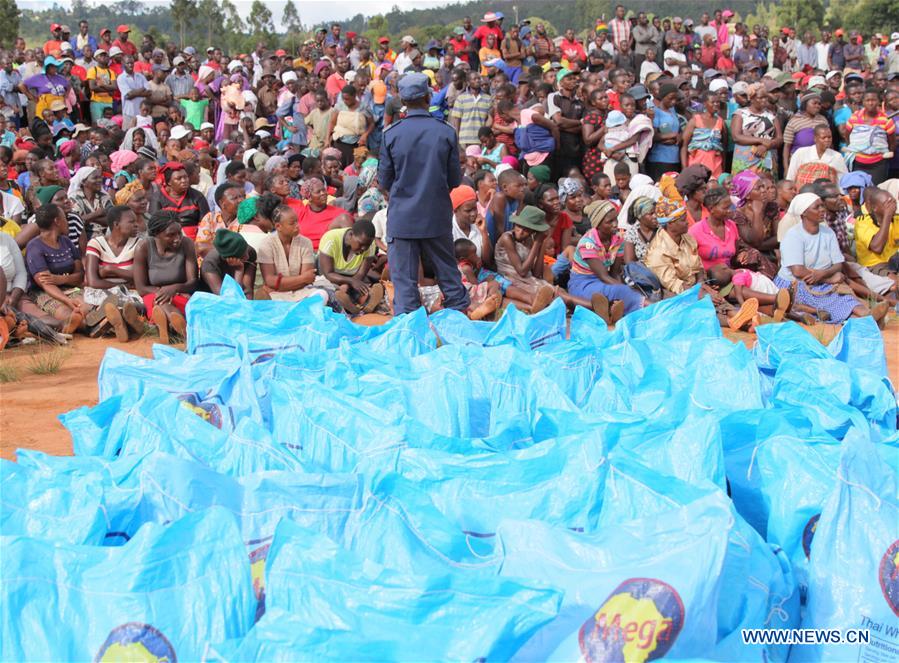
(43, 84)
(42, 258)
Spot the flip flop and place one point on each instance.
(747, 312)
(543, 298)
(114, 316)
(161, 320)
(600, 306)
(375, 297)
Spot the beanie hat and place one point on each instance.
(229, 244)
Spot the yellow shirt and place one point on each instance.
(106, 77)
(865, 229)
(677, 265)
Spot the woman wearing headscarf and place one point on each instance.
(165, 272)
(756, 134)
(123, 164)
(89, 200)
(57, 195)
(138, 137)
(571, 197)
(641, 185)
(597, 263)
(641, 230)
(135, 197)
(69, 159)
(692, 184)
(756, 218)
(800, 130)
(538, 175)
(854, 185)
(812, 263)
(174, 194)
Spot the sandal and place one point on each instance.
(747, 312)
(114, 316)
(543, 298)
(600, 306)
(132, 317)
(375, 297)
(161, 320)
(783, 302)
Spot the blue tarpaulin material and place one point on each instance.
(297, 487)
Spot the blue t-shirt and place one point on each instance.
(818, 251)
(666, 122)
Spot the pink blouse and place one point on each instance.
(712, 249)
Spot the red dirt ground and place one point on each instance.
(30, 405)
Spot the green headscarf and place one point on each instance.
(541, 173)
(46, 193)
(246, 210)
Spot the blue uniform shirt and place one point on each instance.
(419, 165)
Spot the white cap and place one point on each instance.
(894, 36)
(288, 76)
(717, 85)
(65, 46)
(830, 74)
(178, 132)
(178, 60)
(408, 39)
(207, 125)
(349, 76)
(262, 133)
(741, 87)
(234, 65)
(816, 81)
(115, 50)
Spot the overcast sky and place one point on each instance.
(311, 11)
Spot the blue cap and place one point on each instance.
(413, 86)
(51, 60)
(499, 16)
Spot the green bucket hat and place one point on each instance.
(532, 218)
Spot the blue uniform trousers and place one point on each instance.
(403, 256)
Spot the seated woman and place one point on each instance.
(756, 218)
(165, 273)
(89, 199)
(177, 196)
(345, 256)
(596, 266)
(316, 216)
(109, 274)
(641, 231)
(692, 183)
(56, 272)
(15, 307)
(811, 264)
(673, 256)
(232, 256)
(519, 257)
(228, 196)
(287, 260)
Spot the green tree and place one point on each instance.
(290, 19)
(378, 24)
(801, 15)
(182, 12)
(9, 23)
(869, 16)
(212, 21)
(766, 15)
(260, 22)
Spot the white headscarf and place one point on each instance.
(644, 188)
(78, 178)
(204, 71)
(891, 187)
(793, 217)
(150, 139)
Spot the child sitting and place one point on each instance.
(519, 257)
(485, 295)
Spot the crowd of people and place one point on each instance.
(611, 171)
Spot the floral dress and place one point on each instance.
(593, 156)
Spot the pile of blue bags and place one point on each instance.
(297, 487)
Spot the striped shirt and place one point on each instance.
(99, 246)
(858, 118)
(472, 112)
(621, 31)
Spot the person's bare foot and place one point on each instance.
(346, 302)
(73, 323)
(161, 320)
(489, 306)
(132, 317)
(116, 320)
(179, 324)
(375, 297)
(600, 305)
(783, 302)
(543, 298)
(879, 312)
(616, 311)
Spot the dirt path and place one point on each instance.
(30, 405)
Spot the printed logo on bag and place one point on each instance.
(257, 572)
(639, 621)
(136, 642)
(889, 577)
(808, 533)
(208, 412)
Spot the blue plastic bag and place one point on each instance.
(442, 617)
(854, 562)
(646, 587)
(529, 332)
(164, 595)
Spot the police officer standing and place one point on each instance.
(419, 165)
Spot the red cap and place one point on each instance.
(383, 40)
(280, 52)
(351, 35)
(105, 31)
(54, 27)
(122, 29)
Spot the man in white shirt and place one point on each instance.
(133, 87)
(674, 58)
(820, 152)
(823, 48)
(404, 59)
(13, 208)
(704, 28)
